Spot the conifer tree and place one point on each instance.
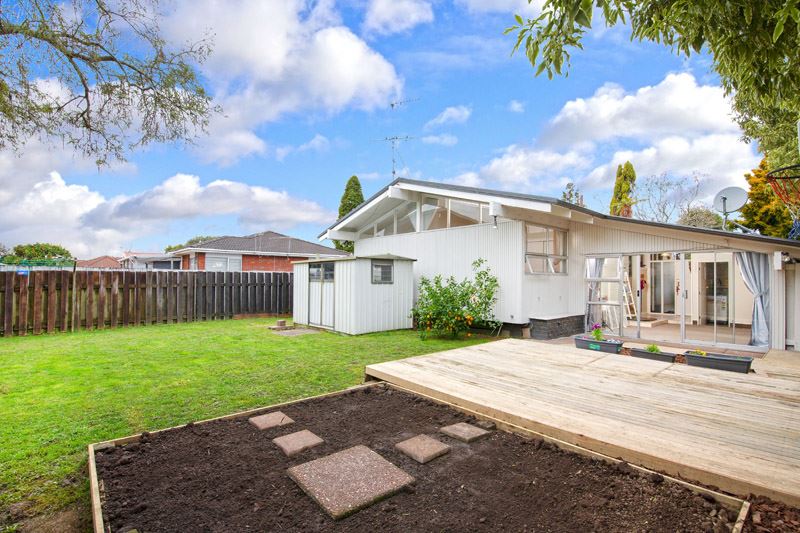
(764, 211)
(622, 199)
(353, 197)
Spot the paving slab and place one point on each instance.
(422, 448)
(295, 332)
(297, 442)
(347, 481)
(464, 432)
(270, 420)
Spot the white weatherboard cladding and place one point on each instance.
(452, 251)
(300, 294)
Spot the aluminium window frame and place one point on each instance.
(547, 256)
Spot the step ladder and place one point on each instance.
(631, 313)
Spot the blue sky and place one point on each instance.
(306, 90)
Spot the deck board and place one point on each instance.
(738, 432)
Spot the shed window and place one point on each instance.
(327, 271)
(315, 272)
(382, 271)
(545, 250)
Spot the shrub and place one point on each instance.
(450, 307)
(653, 348)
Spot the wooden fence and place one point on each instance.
(43, 301)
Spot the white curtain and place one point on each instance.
(594, 269)
(755, 271)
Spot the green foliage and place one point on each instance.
(764, 211)
(352, 197)
(114, 81)
(755, 47)
(41, 250)
(701, 217)
(573, 195)
(653, 348)
(59, 392)
(194, 241)
(597, 332)
(622, 198)
(450, 307)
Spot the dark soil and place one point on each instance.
(767, 515)
(229, 476)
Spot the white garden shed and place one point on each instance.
(354, 295)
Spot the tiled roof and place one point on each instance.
(104, 261)
(267, 242)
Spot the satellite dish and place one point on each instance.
(730, 199)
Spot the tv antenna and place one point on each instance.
(395, 140)
(729, 200)
(398, 103)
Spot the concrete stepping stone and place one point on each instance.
(347, 481)
(297, 442)
(270, 420)
(422, 448)
(464, 432)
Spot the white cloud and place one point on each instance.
(522, 7)
(518, 165)
(183, 196)
(450, 115)
(515, 106)
(720, 159)
(675, 106)
(319, 143)
(304, 61)
(445, 139)
(467, 179)
(385, 17)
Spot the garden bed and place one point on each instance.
(227, 475)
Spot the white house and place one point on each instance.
(562, 267)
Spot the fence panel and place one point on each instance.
(45, 301)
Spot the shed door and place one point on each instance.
(320, 294)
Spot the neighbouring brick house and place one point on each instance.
(266, 251)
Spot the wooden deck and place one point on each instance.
(738, 432)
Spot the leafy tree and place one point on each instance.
(97, 75)
(764, 211)
(194, 241)
(701, 217)
(660, 198)
(573, 195)
(41, 250)
(622, 198)
(450, 307)
(754, 46)
(352, 197)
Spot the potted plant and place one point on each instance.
(718, 361)
(597, 341)
(653, 352)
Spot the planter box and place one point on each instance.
(655, 356)
(607, 346)
(731, 363)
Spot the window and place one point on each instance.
(382, 271)
(315, 272)
(407, 218)
(434, 213)
(368, 232)
(545, 250)
(223, 263)
(327, 271)
(385, 226)
(464, 213)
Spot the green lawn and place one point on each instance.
(60, 392)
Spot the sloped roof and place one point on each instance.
(104, 261)
(266, 242)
